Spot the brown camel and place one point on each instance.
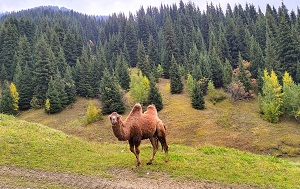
(139, 126)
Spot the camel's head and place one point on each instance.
(114, 118)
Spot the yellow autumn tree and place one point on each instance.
(15, 96)
(139, 87)
(271, 99)
(93, 113)
(291, 96)
(47, 105)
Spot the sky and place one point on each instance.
(108, 7)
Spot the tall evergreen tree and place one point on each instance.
(287, 51)
(131, 41)
(9, 45)
(42, 70)
(25, 88)
(110, 95)
(217, 69)
(69, 85)
(154, 96)
(54, 97)
(122, 72)
(256, 58)
(7, 103)
(175, 78)
(197, 98)
(171, 48)
(143, 60)
(84, 83)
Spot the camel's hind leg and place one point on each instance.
(154, 143)
(134, 148)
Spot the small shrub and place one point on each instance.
(93, 113)
(214, 95)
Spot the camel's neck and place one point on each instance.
(120, 131)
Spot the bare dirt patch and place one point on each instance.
(13, 177)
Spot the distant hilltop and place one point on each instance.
(55, 8)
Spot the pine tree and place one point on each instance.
(3, 74)
(197, 98)
(25, 88)
(54, 97)
(227, 75)
(131, 41)
(84, 83)
(122, 72)
(216, 69)
(9, 45)
(69, 46)
(41, 71)
(287, 51)
(171, 47)
(154, 96)
(69, 85)
(110, 95)
(7, 102)
(175, 78)
(143, 60)
(256, 58)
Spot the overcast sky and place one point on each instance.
(107, 7)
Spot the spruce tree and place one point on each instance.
(227, 75)
(175, 78)
(42, 70)
(131, 41)
(25, 88)
(110, 95)
(154, 96)
(3, 74)
(143, 60)
(9, 45)
(70, 88)
(122, 72)
(7, 103)
(216, 69)
(287, 51)
(197, 98)
(54, 97)
(171, 46)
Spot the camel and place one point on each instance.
(139, 126)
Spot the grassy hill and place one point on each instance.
(228, 124)
(32, 145)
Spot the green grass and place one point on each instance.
(31, 145)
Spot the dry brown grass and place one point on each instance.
(228, 124)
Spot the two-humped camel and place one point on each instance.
(139, 126)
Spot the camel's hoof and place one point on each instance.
(149, 163)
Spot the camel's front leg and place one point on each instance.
(134, 148)
(154, 143)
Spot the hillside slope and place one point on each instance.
(35, 146)
(228, 124)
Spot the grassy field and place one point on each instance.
(225, 142)
(31, 145)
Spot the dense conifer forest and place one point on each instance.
(48, 53)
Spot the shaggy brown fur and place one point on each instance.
(139, 126)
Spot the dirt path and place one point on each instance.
(13, 177)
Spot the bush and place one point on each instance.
(93, 113)
(214, 95)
